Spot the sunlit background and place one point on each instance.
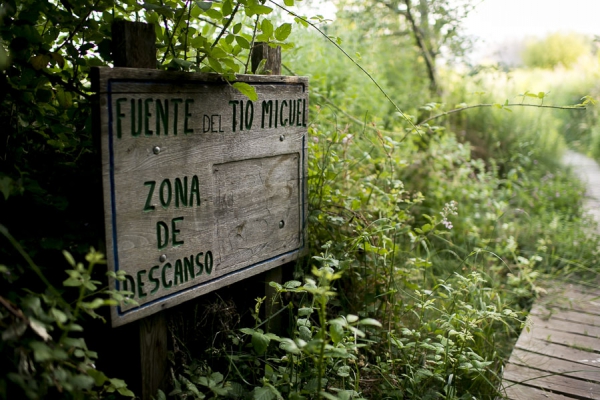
(502, 26)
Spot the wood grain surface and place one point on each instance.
(203, 187)
(557, 356)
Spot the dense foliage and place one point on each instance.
(428, 239)
(556, 49)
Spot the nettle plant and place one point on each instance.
(321, 359)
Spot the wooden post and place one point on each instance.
(262, 51)
(134, 46)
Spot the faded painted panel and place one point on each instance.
(203, 187)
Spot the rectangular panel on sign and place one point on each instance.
(202, 186)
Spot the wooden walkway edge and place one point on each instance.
(558, 355)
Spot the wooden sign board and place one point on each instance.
(202, 186)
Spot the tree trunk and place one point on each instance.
(428, 55)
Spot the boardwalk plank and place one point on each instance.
(571, 299)
(558, 358)
(565, 315)
(571, 326)
(555, 365)
(560, 351)
(556, 383)
(522, 392)
(580, 342)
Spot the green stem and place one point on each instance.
(392, 102)
(322, 333)
(32, 265)
(187, 30)
(252, 43)
(495, 105)
(235, 10)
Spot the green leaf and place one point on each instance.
(14, 331)
(247, 331)
(183, 63)
(69, 258)
(40, 61)
(58, 315)
(288, 345)
(282, 32)
(40, 329)
(226, 8)
(161, 395)
(41, 352)
(301, 21)
(73, 282)
(81, 382)
(218, 52)
(257, 9)
(262, 393)
(214, 14)
(344, 371)
(65, 99)
(305, 333)
(260, 342)
(60, 61)
(289, 3)
(125, 392)
(215, 65)
(369, 321)
(336, 332)
(198, 42)
(98, 376)
(6, 185)
(292, 285)
(351, 318)
(97, 302)
(204, 5)
(243, 42)
(304, 311)
(246, 90)
(267, 28)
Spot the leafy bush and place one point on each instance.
(556, 49)
(44, 352)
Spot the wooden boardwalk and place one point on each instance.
(559, 356)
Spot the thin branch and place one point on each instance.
(55, 79)
(252, 44)
(17, 313)
(229, 21)
(77, 28)
(351, 117)
(173, 35)
(496, 105)
(392, 102)
(187, 31)
(32, 264)
(170, 44)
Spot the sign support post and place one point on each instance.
(134, 46)
(203, 186)
(262, 51)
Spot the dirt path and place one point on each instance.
(588, 171)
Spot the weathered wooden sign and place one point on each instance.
(202, 186)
